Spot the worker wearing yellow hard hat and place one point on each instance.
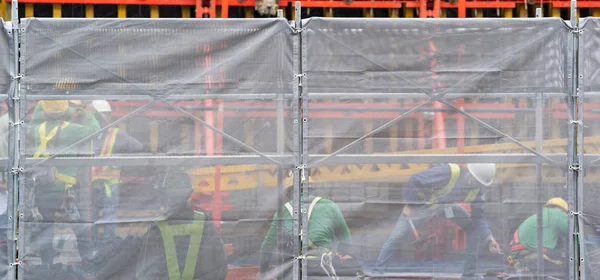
(54, 187)
(328, 237)
(555, 224)
(63, 86)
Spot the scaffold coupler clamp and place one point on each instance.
(19, 263)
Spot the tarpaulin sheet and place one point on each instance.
(395, 107)
(159, 57)
(194, 107)
(590, 89)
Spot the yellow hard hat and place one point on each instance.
(54, 106)
(559, 202)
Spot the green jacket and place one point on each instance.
(66, 137)
(555, 223)
(327, 226)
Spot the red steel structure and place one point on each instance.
(396, 8)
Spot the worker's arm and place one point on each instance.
(38, 116)
(268, 245)
(424, 182)
(342, 232)
(480, 222)
(75, 132)
(125, 144)
(212, 259)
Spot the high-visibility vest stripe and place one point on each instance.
(168, 232)
(110, 175)
(41, 151)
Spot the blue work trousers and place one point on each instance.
(109, 207)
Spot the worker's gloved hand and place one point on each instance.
(35, 213)
(407, 211)
(494, 247)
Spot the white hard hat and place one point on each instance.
(483, 172)
(101, 106)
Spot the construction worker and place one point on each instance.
(54, 186)
(181, 244)
(64, 86)
(435, 192)
(106, 179)
(523, 247)
(328, 237)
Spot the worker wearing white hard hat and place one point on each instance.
(436, 192)
(106, 179)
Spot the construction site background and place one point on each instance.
(359, 105)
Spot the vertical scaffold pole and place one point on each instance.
(298, 149)
(280, 171)
(572, 153)
(14, 145)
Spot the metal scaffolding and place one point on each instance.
(300, 160)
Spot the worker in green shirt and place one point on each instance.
(555, 222)
(328, 235)
(54, 187)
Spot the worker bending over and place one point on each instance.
(328, 238)
(435, 192)
(182, 244)
(555, 222)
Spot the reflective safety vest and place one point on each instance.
(454, 175)
(289, 208)
(109, 175)
(194, 230)
(41, 152)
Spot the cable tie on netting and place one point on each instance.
(299, 77)
(299, 30)
(17, 123)
(302, 169)
(16, 170)
(575, 167)
(576, 30)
